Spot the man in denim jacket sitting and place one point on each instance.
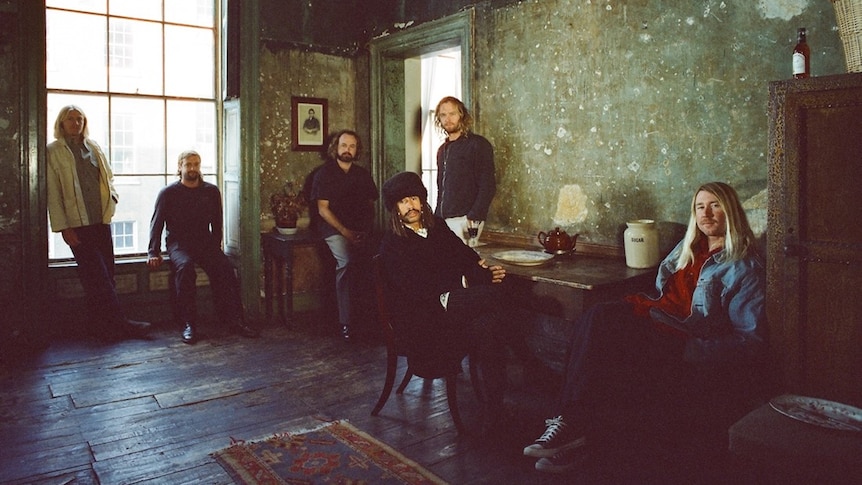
(709, 307)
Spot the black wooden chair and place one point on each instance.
(394, 350)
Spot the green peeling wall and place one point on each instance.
(606, 111)
(599, 111)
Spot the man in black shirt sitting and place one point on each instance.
(191, 210)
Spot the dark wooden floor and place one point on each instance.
(86, 411)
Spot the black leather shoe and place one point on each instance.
(345, 333)
(245, 330)
(189, 336)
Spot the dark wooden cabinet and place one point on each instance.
(814, 236)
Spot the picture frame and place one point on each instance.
(309, 121)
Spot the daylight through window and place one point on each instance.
(144, 72)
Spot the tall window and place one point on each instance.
(144, 72)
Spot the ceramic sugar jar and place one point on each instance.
(641, 244)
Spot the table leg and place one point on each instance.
(279, 266)
(267, 286)
(288, 287)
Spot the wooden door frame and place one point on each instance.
(453, 31)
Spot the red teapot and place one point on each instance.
(557, 241)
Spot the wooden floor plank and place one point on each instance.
(83, 475)
(154, 410)
(47, 459)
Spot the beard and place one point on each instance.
(191, 176)
(452, 128)
(346, 157)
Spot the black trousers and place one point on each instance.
(223, 282)
(480, 311)
(95, 260)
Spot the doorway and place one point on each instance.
(436, 55)
(440, 77)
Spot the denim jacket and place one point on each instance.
(728, 308)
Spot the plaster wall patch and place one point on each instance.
(571, 206)
(781, 9)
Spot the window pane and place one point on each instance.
(136, 56)
(76, 51)
(189, 62)
(137, 136)
(139, 9)
(57, 247)
(125, 236)
(137, 199)
(194, 12)
(95, 6)
(191, 126)
(95, 109)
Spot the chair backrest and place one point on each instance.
(383, 314)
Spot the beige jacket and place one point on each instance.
(65, 201)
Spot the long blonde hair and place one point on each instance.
(739, 239)
(59, 133)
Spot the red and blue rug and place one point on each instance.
(336, 452)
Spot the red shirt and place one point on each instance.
(677, 293)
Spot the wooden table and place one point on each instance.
(568, 284)
(278, 262)
(547, 300)
(571, 270)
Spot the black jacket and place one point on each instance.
(465, 178)
(418, 270)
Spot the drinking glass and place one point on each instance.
(473, 233)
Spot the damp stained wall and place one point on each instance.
(606, 111)
(600, 111)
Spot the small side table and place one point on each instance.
(277, 262)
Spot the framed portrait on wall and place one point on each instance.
(309, 122)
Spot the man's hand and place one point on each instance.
(71, 237)
(497, 272)
(354, 237)
(154, 262)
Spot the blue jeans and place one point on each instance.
(95, 259)
(611, 347)
(343, 253)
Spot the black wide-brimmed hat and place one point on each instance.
(401, 185)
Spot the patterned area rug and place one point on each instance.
(336, 452)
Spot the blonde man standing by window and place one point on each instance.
(81, 203)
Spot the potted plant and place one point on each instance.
(286, 207)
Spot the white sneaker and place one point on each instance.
(561, 462)
(558, 436)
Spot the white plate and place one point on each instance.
(821, 412)
(523, 257)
